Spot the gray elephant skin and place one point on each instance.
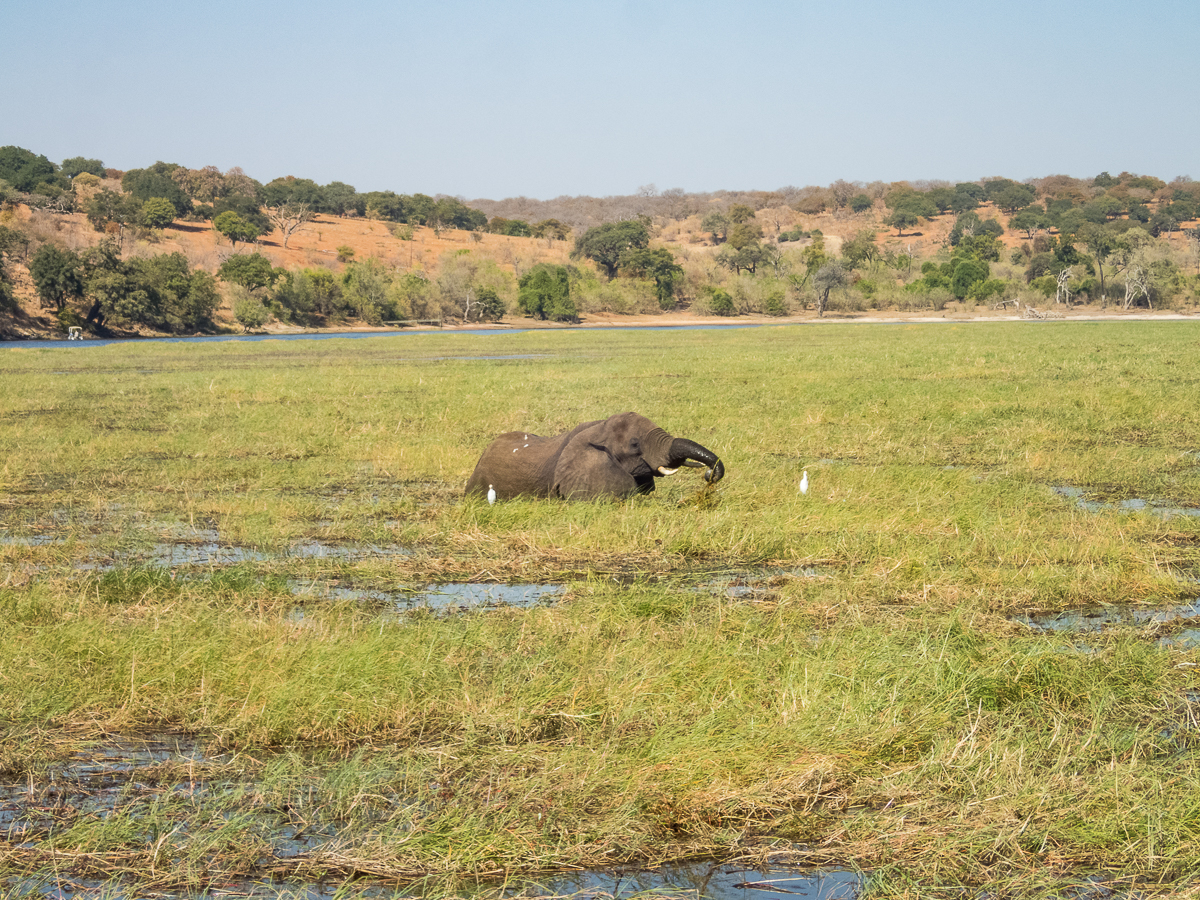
(609, 458)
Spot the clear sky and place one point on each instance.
(548, 97)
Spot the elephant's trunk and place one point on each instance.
(688, 453)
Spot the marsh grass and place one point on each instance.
(886, 713)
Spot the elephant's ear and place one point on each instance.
(586, 470)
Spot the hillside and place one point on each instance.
(332, 243)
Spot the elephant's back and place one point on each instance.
(514, 464)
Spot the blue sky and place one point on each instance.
(496, 99)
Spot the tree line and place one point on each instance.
(1082, 238)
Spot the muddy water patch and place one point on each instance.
(754, 584)
(705, 881)
(1161, 623)
(1162, 508)
(203, 548)
(437, 597)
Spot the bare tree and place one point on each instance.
(1062, 293)
(1137, 284)
(288, 217)
(842, 190)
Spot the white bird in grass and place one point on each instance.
(491, 495)
(804, 482)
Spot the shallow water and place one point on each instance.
(1092, 620)
(1133, 504)
(750, 583)
(352, 335)
(458, 595)
(715, 881)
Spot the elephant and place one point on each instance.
(609, 458)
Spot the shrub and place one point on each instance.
(489, 305)
(775, 303)
(249, 310)
(251, 270)
(68, 317)
(545, 293)
(860, 203)
(716, 301)
(345, 253)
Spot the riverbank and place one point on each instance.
(45, 328)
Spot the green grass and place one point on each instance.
(886, 713)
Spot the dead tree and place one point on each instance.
(288, 217)
(1063, 293)
(1137, 284)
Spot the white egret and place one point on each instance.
(804, 482)
(491, 495)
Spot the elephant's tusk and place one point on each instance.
(695, 464)
(663, 470)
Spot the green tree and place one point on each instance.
(742, 234)
(860, 249)
(964, 201)
(545, 293)
(942, 198)
(510, 227)
(235, 228)
(10, 241)
(1030, 220)
(156, 181)
(720, 302)
(860, 203)
(250, 312)
(1013, 197)
(489, 305)
(747, 258)
(77, 165)
(157, 212)
(300, 294)
(341, 198)
(57, 275)
(828, 277)
(968, 271)
(25, 170)
(1101, 243)
(900, 219)
(912, 201)
(366, 290)
(290, 189)
(449, 212)
(604, 244)
(253, 271)
(1139, 212)
(740, 212)
(111, 212)
(552, 228)
(716, 224)
(168, 295)
(248, 208)
(969, 225)
(659, 265)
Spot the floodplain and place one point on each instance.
(255, 642)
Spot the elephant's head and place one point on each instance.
(623, 454)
